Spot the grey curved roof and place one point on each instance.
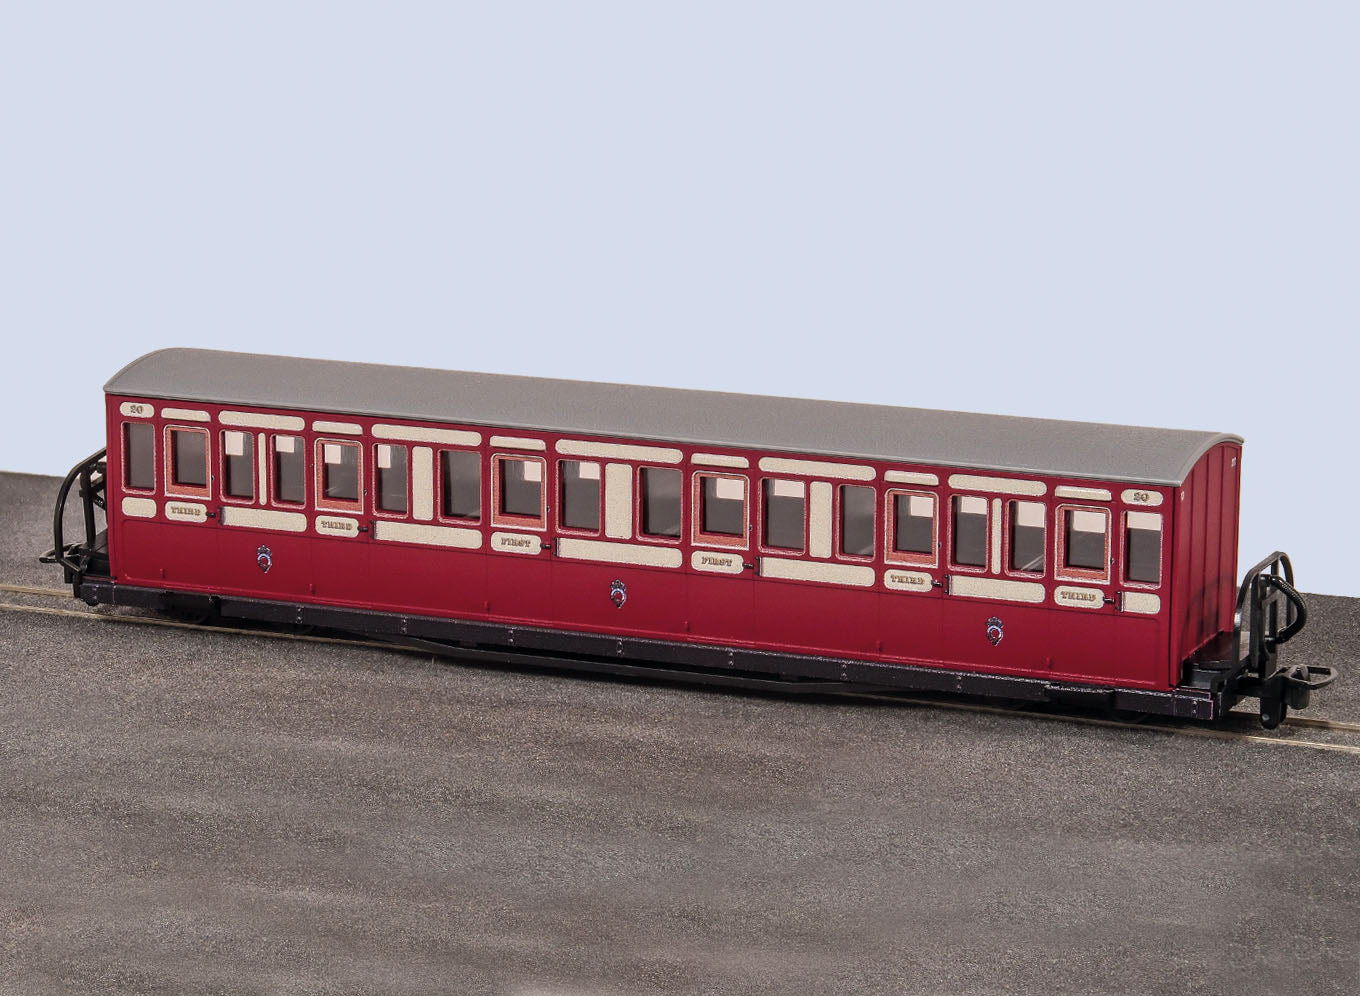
(708, 418)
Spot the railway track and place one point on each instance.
(1230, 730)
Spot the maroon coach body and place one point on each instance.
(731, 538)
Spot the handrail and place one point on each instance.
(1275, 571)
(60, 554)
(1279, 556)
(1300, 613)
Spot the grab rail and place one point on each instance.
(75, 559)
(1264, 590)
(1274, 614)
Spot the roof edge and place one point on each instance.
(134, 364)
(1168, 473)
(1189, 465)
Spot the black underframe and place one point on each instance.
(625, 655)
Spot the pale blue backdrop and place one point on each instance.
(1138, 213)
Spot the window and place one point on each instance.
(857, 521)
(289, 473)
(238, 464)
(187, 455)
(721, 509)
(460, 484)
(580, 483)
(518, 483)
(911, 528)
(1027, 537)
(660, 490)
(391, 478)
(1143, 547)
(785, 514)
(339, 472)
(969, 548)
(139, 456)
(1085, 543)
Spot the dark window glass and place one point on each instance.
(785, 503)
(391, 478)
(1027, 536)
(288, 470)
(1143, 548)
(461, 478)
(238, 464)
(189, 462)
(1084, 539)
(521, 487)
(914, 524)
(857, 521)
(340, 471)
(970, 531)
(580, 494)
(661, 501)
(724, 506)
(139, 456)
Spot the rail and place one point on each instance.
(1235, 731)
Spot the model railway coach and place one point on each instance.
(733, 538)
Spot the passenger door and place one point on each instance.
(721, 586)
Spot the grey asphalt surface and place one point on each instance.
(197, 812)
